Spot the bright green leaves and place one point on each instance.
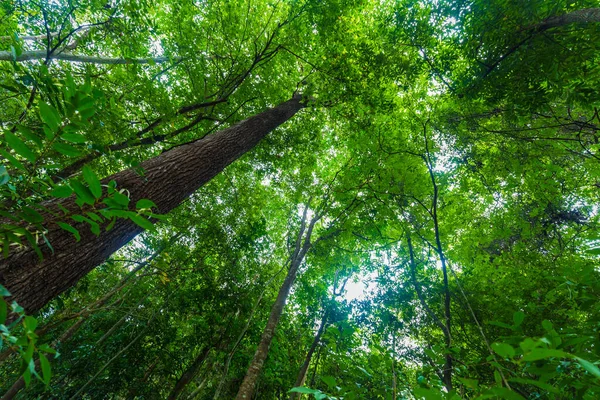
(46, 370)
(145, 204)
(83, 193)
(23, 340)
(66, 149)
(518, 318)
(61, 191)
(70, 229)
(318, 395)
(93, 181)
(589, 367)
(504, 350)
(76, 138)
(19, 146)
(50, 116)
(30, 135)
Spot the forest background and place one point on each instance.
(356, 199)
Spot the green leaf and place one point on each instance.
(46, 370)
(66, 149)
(547, 325)
(30, 323)
(117, 200)
(143, 222)
(470, 383)
(31, 215)
(3, 311)
(364, 371)
(93, 217)
(518, 318)
(19, 146)
(16, 163)
(61, 191)
(83, 193)
(304, 390)
(16, 308)
(94, 227)
(428, 394)
(329, 381)
(4, 291)
(28, 354)
(539, 384)
(4, 176)
(73, 137)
(47, 349)
(33, 243)
(500, 324)
(93, 181)
(540, 354)
(27, 377)
(501, 392)
(29, 135)
(144, 204)
(50, 116)
(69, 228)
(589, 367)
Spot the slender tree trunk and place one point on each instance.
(304, 369)
(248, 385)
(42, 55)
(196, 392)
(241, 336)
(314, 374)
(189, 373)
(583, 16)
(394, 379)
(168, 180)
(107, 364)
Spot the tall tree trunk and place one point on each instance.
(189, 373)
(304, 369)
(246, 389)
(65, 56)
(241, 336)
(583, 16)
(447, 373)
(168, 180)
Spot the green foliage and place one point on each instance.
(19, 336)
(451, 148)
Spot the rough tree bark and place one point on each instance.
(303, 244)
(168, 180)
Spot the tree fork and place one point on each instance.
(168, 180)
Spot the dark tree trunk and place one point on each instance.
(304, 369)
(248, 385)
(583, 16)
(168, 180)
(189, 374)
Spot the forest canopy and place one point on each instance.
(342, 199)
